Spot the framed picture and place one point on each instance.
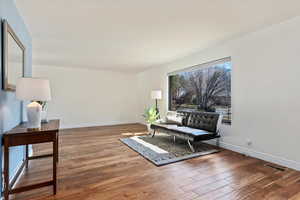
(13, 58)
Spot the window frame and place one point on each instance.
(198, 67)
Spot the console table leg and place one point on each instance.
(57, 143)
(54, 166)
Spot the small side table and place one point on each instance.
(20, 135)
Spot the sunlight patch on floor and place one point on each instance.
(134, 133)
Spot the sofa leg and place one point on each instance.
(191, 146)
(153, 133)
(218, 142)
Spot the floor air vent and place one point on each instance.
(275, 167)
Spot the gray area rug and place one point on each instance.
(163, 150)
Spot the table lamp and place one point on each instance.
(157, 95)
(33, 89)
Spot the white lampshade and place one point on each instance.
(33, 89)
(156, 94)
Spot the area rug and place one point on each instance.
(163, 150)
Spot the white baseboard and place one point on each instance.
(85, 125)
(260, 155)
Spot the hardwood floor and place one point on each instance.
(95, 165)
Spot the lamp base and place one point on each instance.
(34, 111)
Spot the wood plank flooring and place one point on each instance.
(95, 165)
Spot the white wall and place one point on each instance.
(83, 97)
(265, 91)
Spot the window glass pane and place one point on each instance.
(206, 89)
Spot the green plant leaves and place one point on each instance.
(151, 114)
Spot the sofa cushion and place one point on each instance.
(185, 116)
(190, 131)
(184, 132)
(203, 120)
(173, 117)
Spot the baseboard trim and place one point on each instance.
(260, 155)
(89, 125)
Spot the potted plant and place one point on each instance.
(150, 116)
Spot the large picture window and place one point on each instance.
(205, 87)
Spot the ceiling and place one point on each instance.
(133, 35)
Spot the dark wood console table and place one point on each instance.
(20, 135)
